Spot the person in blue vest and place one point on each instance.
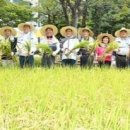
(86, 58)
(49, 37)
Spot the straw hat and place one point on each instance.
(63, 30)
(44, 28)
(117, 33)
(2, 30)
(80, 31)
(100, 37)
(21, 26)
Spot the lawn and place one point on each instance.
(64, 99)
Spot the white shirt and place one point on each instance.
(68, 45)
(124, 44)
(23, 39)
(50, 42)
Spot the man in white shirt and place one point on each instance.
(68, 56)
(26, 44)
(122, 53)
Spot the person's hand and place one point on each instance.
(118, 50)
(54, 53)
(11, 38)
(92, 54)
(12, 53)
(19, 51)
(30, 53)
(39, 49)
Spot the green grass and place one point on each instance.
(64, 99)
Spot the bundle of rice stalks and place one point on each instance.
(92, 46)
(5, 48)
(111, 47)
(27, 47)
(44, 48)
(83, 44)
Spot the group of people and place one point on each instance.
(65, 47)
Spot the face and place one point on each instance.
(49, 32)
(85, 33)
(26, 29)
(123, 34)
(7, 32)
(69, 32)
(105, 40)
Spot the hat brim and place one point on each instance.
(2, 31)
(63, 30)
(80, 31)
(117, 33)
(44, 28)
(21, 26)
(100, 37)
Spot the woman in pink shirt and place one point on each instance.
(102, 57)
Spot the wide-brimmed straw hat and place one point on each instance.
(49, 26)
(21, 26)
(2, 30)
(117, 33)
(63, 30)
(80, 31)
(100, 37)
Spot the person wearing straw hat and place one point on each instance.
(26, 44)
(48, 37)
(86, 35)
(8, 36)
(123, 53)
(104, 39)
(69, 56)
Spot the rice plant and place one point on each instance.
(64, 99)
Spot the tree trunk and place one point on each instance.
(84, 14)
(64, 7)
(75, 18)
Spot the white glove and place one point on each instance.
(19, 51)
(31, 53)
(40, 49)
(12, 53)
(54, 53)
(11, 38)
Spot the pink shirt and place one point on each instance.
(100, 51)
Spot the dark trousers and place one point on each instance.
(86, 61)
(26, 61)
(47, 60)
(68, 62)
(128, 61)
(105, 63)
(121, 61)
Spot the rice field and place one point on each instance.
(64, 99)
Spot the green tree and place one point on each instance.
(12, 15)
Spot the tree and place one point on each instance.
(71, 9)
(3, 3)
(12, 14)
(50, 12)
